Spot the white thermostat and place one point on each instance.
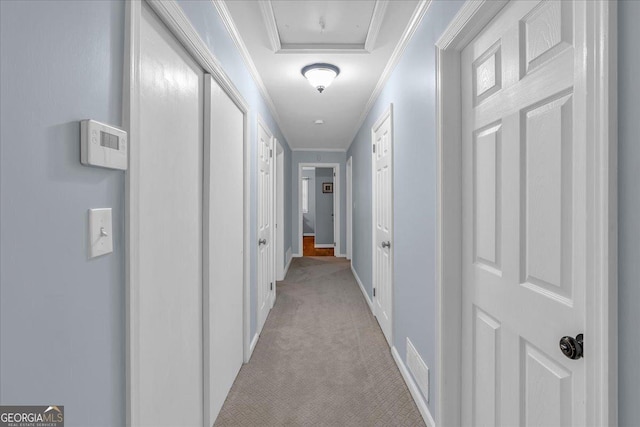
(102, 145)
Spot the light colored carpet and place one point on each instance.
(321, 359)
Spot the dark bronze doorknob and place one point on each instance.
(572, 347)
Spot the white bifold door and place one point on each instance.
(382, 136)
(223, 287)
(265, 243)
(524, 217)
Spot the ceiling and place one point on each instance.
(363, 38)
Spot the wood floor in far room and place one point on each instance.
(309, 249)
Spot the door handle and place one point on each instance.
(262, 242)
(572, 347)
(386, 244)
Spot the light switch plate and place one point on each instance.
(100, 232)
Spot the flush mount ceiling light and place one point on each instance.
(320, 76)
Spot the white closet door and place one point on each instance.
(169, 365)
(224, 242)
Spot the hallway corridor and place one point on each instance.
(321, 359)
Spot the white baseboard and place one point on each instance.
(308, 234)
(341, 255)
(413, 388)
(252, 346)
(364, 293)
(323, 245)
(286, 268)
(296, 256)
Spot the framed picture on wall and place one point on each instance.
(327, 187)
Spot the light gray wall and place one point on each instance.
(324, 207)
(211, 29)
(61, 314)
(309, 218)
(629, 212)
(298, 157)
(411, 89)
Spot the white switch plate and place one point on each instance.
(100, 232)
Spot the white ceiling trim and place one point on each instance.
(223, 11)
(375, 24)
(411, 28)
(330, 150)
(270, 22)
(322, 48)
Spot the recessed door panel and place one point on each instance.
(545, 389)
(487, 370)
(547, 196)
(487, 197)
(548, 30)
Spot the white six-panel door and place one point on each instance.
(524, 217)
(266, 285)
(382, 135)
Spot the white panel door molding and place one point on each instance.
(382, 221)
(526, 220)
(265, 231)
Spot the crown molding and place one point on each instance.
(225, 15)
(270, 23)
(458, 33)
(411, 28)
(175, 19)
(278, 47)
(321, 48)
(379, 11)
(329, 150)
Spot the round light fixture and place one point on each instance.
(320, 76)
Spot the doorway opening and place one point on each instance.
(318, 208)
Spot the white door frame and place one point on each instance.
(172, 16)
(601, 325)
(279, 165)
(388, 113)
(349, 225)
(336, 204)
